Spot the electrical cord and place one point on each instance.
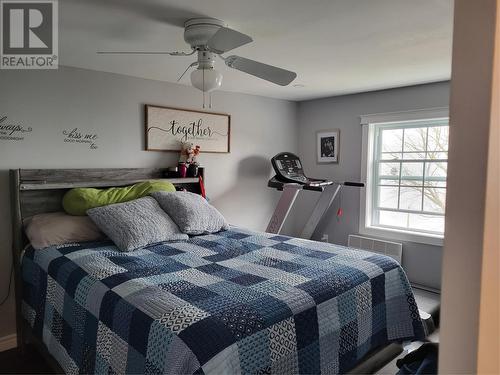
(10, 284)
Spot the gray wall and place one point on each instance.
(112, 106)
(421, 262)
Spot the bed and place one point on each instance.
(233, 302)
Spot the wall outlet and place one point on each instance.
(324, 238)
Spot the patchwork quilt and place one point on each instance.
(235, 302)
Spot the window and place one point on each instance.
(406, 177)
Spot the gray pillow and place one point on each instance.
(191, 212)
(135, 224)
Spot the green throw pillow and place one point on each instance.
(78, 201)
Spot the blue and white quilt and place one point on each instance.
(235, 302)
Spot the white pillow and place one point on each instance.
(59, 228)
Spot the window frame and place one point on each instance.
(368, 123)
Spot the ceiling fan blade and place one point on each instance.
(226, 39)
(270, 73)
(145, 53)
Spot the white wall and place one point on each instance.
(469, 316)
(112, 106)
(421, 262)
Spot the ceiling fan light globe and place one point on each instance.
(206, 80)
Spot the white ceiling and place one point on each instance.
(335, 46)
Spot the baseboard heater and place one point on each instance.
(391, 249)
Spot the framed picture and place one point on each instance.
(167, 128)
(327, 145)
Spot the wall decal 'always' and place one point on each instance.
(12, 131)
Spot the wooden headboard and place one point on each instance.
(36, 191)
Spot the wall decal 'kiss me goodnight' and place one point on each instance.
(76, 136)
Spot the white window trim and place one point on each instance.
(419, 114)
(366, 177)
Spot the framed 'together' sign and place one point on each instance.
(167, 128)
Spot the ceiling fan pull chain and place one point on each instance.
(203, 87)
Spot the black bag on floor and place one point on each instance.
(424, 360)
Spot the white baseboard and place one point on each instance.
(8, 342)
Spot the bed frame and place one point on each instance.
(36, 191)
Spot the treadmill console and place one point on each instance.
(288, 169)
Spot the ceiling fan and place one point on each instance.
(210, 38)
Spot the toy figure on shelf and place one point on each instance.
(188, 157)
(192, 159)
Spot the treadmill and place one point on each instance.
(290, 179)
(289, 170)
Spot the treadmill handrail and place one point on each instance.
(354, 184)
